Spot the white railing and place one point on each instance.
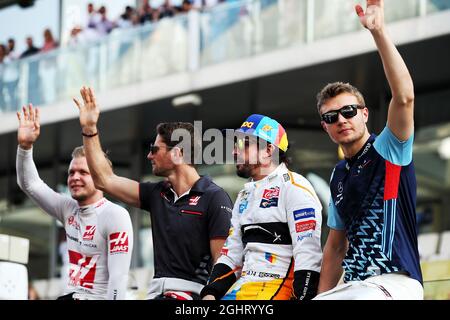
(186, 43)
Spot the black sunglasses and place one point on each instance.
(154, 149)
(347, 112)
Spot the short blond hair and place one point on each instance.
(78, 152)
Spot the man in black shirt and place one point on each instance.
(34, 86)
(31, 49)
(190, 214)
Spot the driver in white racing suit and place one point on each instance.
(273, 251)
(99, 232)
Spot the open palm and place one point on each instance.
(373, 17)
(89, 111)
(29, 126)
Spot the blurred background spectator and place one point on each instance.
(33, 68)
(11, 74)
(31, 48)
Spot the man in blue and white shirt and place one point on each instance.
(372, 212)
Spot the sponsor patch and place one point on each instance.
(247, 124)
(260, 274)
(89, 245)
(89, 233)
(72, 222)
(224, 251)
(118, 242)
(305, 235)
(272, 258)
(194, 200)
(269, 203)
(270, 197)
(243, 202)
(271, 193)
(72, 237)
(305, 226)
(243, 206)
(307, 213)
(286, 177)
(229, 210)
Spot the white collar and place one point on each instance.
(279, 170)
(176, 197)
(90, 207)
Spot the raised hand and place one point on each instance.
(29, 126)
(89, 111)
(373, 18)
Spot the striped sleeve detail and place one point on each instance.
(312, 193)
(392, 180)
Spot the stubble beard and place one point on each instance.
(80, 197)
(245, 170)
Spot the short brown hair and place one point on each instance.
(78, 152)
(166, 129)
(334, 89)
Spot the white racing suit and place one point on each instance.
(99, 236)
(273, 248)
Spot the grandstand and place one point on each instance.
(236, 58)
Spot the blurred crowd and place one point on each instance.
(9, 71)
(98, 25)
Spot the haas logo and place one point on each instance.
(118, 242)
(194, 200)
(82, 269)
(89, 233)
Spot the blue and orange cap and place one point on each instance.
(265, 128)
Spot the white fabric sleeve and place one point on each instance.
(29, 181)
(233, 249)
(119, 234)
(304, 217)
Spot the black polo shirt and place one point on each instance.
(182, 230)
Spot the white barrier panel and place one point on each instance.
(13, 281)
(18, 249)
(4, 247)
(14, 249)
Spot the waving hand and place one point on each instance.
(29, 126)
(373, 17)
(89, 110)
